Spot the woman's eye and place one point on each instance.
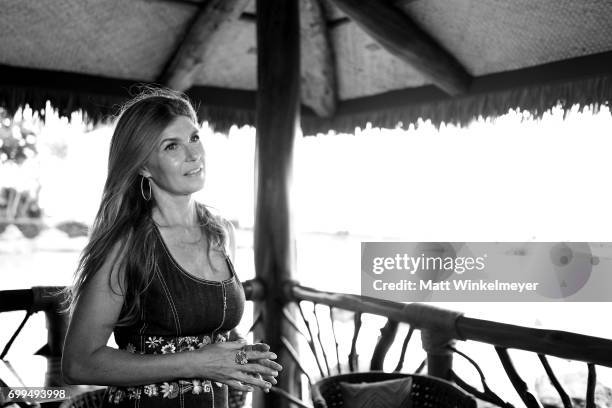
(171, 146)
(195, 138)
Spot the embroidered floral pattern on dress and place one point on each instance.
(167, 345)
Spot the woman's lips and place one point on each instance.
(194, 172)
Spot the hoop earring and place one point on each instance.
(142, 189)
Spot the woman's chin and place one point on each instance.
(196, 185)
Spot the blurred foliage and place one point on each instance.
(17, 139)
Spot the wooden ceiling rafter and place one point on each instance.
(319, 86)
(397, 33)
(187, 60)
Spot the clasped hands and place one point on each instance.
(224, 365)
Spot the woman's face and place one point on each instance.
(177, 162)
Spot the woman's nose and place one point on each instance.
(194, 153)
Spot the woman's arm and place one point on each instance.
(234, 334)
(231, 245)
(88, 360)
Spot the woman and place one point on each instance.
(157, 273)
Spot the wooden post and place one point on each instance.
(439, 356)
(277, 118)
(46, 299)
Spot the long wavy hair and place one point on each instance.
(124, 216)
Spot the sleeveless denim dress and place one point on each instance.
(179, 312)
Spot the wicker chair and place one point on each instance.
(427, 392)
(89, 399)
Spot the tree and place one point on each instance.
(18, 136)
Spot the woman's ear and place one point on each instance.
(144, 172)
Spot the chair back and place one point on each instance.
(426, 391)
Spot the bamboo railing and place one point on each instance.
(440, 328)
(428, 318)
(33, 300)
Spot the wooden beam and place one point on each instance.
(318, 71)
(189, 58)
(399, 35)
(277, 119)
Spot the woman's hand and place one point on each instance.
(262, 347)
(218, 362)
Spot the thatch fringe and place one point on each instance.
(461, 111)
(403, 108)
(222, 119)
(96, 108)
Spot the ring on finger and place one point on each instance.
(241, 357)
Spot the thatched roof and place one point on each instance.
(85, 55)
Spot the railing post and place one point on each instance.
(46, 299)
(439, 355)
